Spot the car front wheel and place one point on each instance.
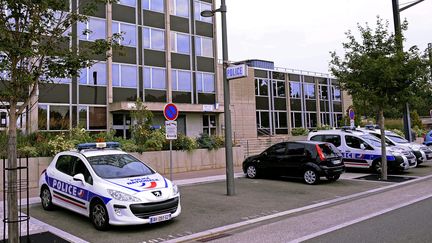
(99, 216)
(310, 177)
(377, 167)
(252, 172)
(46, 199)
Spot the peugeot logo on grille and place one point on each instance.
(157, 193)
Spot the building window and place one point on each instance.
(336, 94)
(309, 90)
(131, 3)
(42, 117)
(92, 30)
(295, 91)
(296, 119)
(199, 7)
(261, 87)
(209, 124)
(181, 80)
(154, 5)
(127, 31)
(180, 43)
(323, 90)
(180, 8)
(154, 78)
(204, 46)
(97, 118)
(263, 119)
(279, 88)
(205, 82)
(94, 75)
(59, 117)
(154, 39)
(124, 75)
(82, 117)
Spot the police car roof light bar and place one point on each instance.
(111, 145)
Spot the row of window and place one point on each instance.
(58, 117)
(152, 38)
(178, 7)
(154, 78)
(278, 89)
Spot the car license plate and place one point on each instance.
(336, 162)
(160, 218)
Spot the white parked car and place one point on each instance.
(422, 152)
(109, 186)
(362, 150)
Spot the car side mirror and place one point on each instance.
(362, 147)
(79, 177)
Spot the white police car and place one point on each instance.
(108, 185)
(422, 152)
(362, 150)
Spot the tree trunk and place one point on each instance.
(383, 146)
(12, 183)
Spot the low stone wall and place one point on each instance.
(183, 161)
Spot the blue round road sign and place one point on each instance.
(170, 112)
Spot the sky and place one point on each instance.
(299, 34)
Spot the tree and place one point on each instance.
(377, 73)
(34, 50)
(143, 120)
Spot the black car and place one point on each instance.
(307, 159)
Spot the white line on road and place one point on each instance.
(340, 226)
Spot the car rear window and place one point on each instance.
(329, 150)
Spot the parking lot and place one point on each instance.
(205, 206)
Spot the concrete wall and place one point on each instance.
(243, 107)
(200, 159)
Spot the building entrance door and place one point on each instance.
(121, 124)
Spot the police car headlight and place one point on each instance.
(175, 189)
(121, 196)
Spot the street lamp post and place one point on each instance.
(228, 136)
(398, 35)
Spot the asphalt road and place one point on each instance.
(408, 224)
(206, 206)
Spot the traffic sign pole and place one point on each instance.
(171, 113)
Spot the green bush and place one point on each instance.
(398, 132)
(59, 143)
(210, 142)
(415, 120)
(27, 151)
(129, 146)
(185, 143)
(80, 135)
(324, 127)
(219, 141)
(156, 141)
(390, 124)
(299, 131)
(419, 131)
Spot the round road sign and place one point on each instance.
(171, 112)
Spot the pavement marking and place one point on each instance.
(340, 226)
(292, 211)
(207, 179)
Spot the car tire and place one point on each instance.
(333, 178)
(99, 216)
(252, 172)
(310, 176)
(377, 166)
(46, 199)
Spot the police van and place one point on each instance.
(362, 150)
(109, 186)
(422, 153)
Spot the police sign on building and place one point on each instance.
(237, 71)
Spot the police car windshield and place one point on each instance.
(118, 166)
(372, 140)
(397, 139)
